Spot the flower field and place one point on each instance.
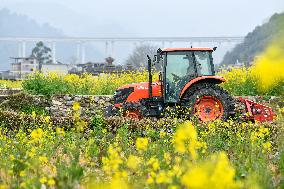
(41, 151)
(264, 78)
(105, 84)
(240, 81)
(10, 84)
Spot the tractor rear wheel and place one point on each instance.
(209, 102)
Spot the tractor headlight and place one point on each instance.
(117, 93)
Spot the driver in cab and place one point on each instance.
(179, 72)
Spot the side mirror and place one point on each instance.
(159, 51)
(160, 76)
(155, 58)
(149, 63)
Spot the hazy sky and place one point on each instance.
(149, 17)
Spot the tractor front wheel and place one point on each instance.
(132, 110)
(134, 114)
(209, 102)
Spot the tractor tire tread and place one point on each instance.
(203, 89)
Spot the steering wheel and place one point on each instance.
(176, 77)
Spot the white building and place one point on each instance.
(58, 68)
(23, 67)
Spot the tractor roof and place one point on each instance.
(186, 49)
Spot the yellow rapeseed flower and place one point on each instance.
(167, 157)
(133, 162)
(60, 131)
(150, 180)
(47, 119)
(113, 161)
(154, 163)
(32, 152)
(3, 186)
(185, 139)
(22, 173)
(213, 173)
(266, 147)
(269, 67)
(141, 143)
(162, 134)
(34, 114)
(76, 106)
(43, 180)
(36, 134)
(12, 157)
(43, 159)
(51, 182)
(162, 177)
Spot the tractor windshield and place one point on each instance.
(181, 67)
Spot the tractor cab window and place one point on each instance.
(203, 62)
(181, 67)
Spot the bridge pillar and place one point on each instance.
(78, 52)
(134, 44)
(23, 48)
(19, 49)
(106, 49)
(163, 44)
(83, 55)
(53, 52)
(112, 49)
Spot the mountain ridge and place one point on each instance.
(256, 41)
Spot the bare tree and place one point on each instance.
(73, 60)
(138, 58)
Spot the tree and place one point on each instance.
(42, 54)
(138, 58)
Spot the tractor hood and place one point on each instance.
(140, 86)
(141, 91)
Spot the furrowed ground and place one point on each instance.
(42, 151)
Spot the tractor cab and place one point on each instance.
(182, 65)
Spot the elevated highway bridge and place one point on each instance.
(110, 42)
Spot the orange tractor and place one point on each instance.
(187, 82)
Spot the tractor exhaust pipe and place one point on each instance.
(150, 76)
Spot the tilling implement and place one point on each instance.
(187, 82)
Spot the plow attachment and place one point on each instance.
(252, 111)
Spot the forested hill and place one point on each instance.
(14, 25)
(18, 25)
(256, 41)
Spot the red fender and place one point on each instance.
(216, 79)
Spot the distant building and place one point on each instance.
(58, 68)
(96, 68)
(5, 74)
(21, 67)
(239, 64)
